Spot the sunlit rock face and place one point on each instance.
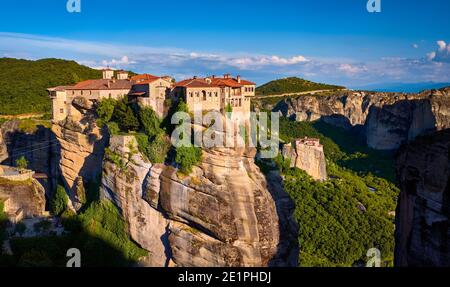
(81, 145)
(307, 154)
(222, 214)
(422, 217)
(387, 120)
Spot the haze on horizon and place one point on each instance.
(336, 42)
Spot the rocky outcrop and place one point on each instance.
(387, 119)
(422, 216)
(81, 148)
(222, 214)
(40, 148)
(307, 154)
(22, 199)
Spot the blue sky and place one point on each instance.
(333, 41)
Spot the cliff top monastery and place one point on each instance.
(210, 93)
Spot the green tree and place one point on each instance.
(124, 116)
(22, 163)
(182, 107)
(58, 204)
(150, 122)
(105, 110)
(187, 157)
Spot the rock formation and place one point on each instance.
(307, 154)
(39, 147)
(222, 214)
(22, 199)
(387, 119)
(422, 216)
(81, 148)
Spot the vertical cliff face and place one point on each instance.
(422, 217)
(80, 149)
(307, 155)
(222, 214)
(388, 119)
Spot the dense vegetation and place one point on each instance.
(58, 203)
(342, 218)
(23, 83)
(99, 232)
(292, 85)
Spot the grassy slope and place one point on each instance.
(23, 83)
(292, 85)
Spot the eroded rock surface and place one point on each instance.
(81, 149)
(307, 154)
(222, 214)
(422, 216)
(387, 119)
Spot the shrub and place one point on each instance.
(22, 163)
(113, 128)
(186, 157)
(59, 201)
(155, 149)
(102, 220)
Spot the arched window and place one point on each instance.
(204, 95)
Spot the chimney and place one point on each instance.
(213, 76)
(109, 84)
(226, 76)
(238, 78)
(195, 77)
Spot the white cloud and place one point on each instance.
(352, 69)
(415, 46)
(442, 45)
(113, 63)
(182, 63)
(442, 54)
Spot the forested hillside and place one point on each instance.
(353, 211)
(23, 83)
(292, 85)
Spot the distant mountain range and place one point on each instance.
(402, 87)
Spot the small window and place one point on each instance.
(61, 111)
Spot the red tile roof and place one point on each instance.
(143, 77)
(145, 82)
(102, 85)
(214, 82)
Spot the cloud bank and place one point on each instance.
(182, 63)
